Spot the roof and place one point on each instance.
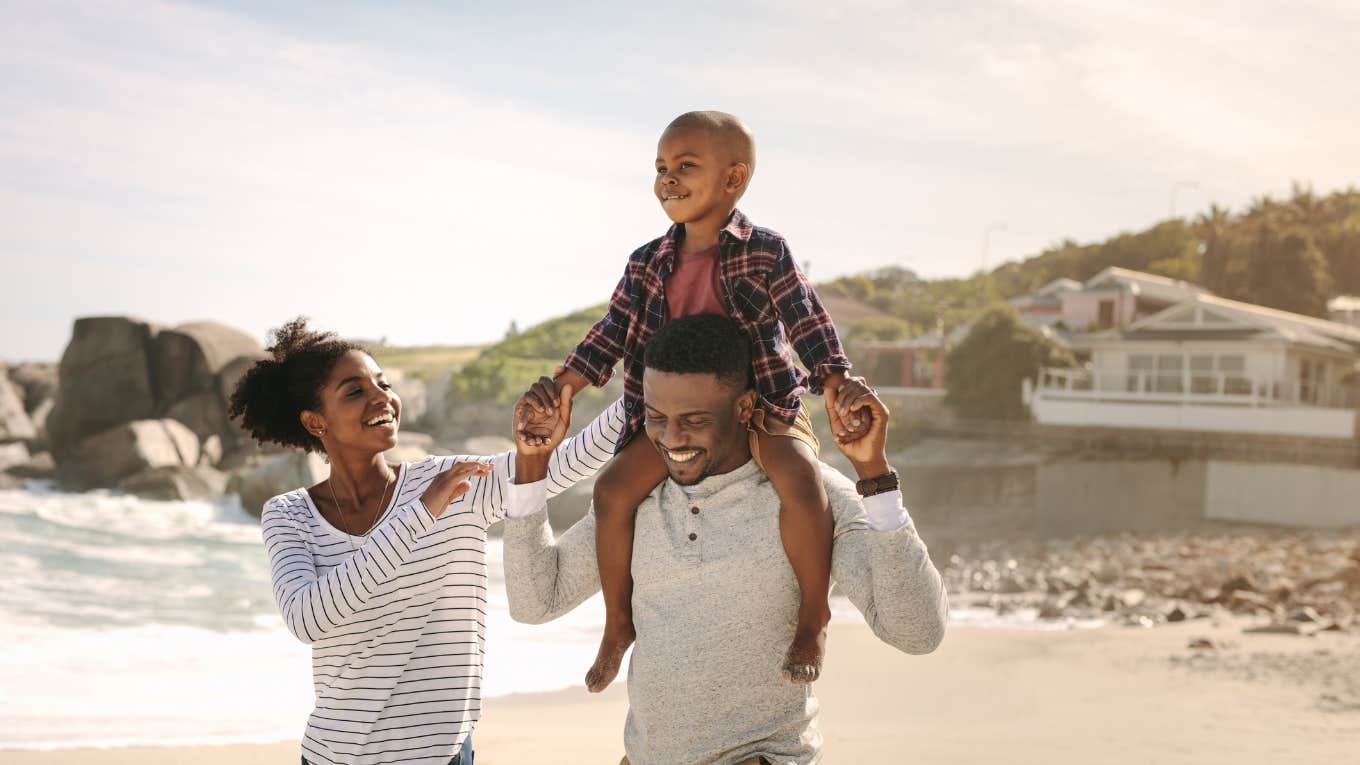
(1223, 317)
(1147, 285)
(846, 311)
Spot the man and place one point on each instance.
(715, 601)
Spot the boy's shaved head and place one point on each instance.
(729, 133)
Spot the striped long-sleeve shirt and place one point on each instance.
(397, 627)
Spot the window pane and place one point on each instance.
(1170, 363)
(1232, 363)
(1201, 363)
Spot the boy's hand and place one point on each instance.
(844, 403)
(868, 449)
(541, 417)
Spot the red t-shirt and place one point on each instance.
(694, 286)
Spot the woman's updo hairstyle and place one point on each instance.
(272, 394)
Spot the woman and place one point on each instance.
(381, 568)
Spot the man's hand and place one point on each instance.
(542, 417)
(451, 484)
(866, 452)
(845, 408)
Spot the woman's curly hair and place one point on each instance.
(272, 394)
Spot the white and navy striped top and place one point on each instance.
(398, 626)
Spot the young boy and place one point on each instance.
(714, 260)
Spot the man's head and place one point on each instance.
(704, 162)
(698, 395)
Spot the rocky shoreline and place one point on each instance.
(1289, 582)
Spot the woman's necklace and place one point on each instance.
(344, 520)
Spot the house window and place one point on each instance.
(1233, 371)
(1107, 313)
(1141, 369)
(1203, 378)
(1168, 378)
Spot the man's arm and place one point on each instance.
(877, 558)
(887, 574)
(544, 578)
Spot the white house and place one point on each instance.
(1115, 297)
(1211, 364)
(1345, 309)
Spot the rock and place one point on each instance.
(12, 455)
(177, 482)
(267, 477)
(40, 465)
(414, 393)
(10, 482)
(39, 418)
(1175, 614)
(15, 424)
(212, 451)
(105, 380)
(1050, 610)
(105, 459)
(188, 358)
(233, 371)
(204, 413)
(1009, 585)
(1202, 644)
(1243, 600)
(1132, 598)
(38, 382)
(1304, 615)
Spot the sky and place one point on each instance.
(428, 172)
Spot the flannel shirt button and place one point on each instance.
(693, 536)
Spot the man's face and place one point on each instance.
(697, 422)
(693, 176)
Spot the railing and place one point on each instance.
(1185, 387)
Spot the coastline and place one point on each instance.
(1106, 695)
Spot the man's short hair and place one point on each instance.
(703, 344)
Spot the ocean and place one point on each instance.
(126, 621)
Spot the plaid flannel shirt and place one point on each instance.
(766, 293)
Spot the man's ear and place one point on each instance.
(313, 422)
(737, 177)
(746, 405)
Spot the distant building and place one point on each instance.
(1211, 364)
(1345, 309)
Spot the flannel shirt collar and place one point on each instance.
(738, 226)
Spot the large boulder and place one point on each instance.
(176, 482)
(266, 477)
(188, 358)
(105, 378)
(104, 459)
(204, 413)
(15, 424)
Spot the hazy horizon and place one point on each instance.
(429, 174)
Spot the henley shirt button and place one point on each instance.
(693, 536)
(694, 510)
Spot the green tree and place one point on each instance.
(879, 328)
(984, 371)
(1289, 272)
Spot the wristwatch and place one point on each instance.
(879, 484)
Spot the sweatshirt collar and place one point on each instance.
(716, 483)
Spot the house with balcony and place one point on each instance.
(1206, 363)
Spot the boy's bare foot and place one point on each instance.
(803, 662)
(613, 646)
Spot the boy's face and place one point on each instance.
(695, 179)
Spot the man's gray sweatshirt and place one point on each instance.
(715, 603)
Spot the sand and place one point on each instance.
(1109, 695)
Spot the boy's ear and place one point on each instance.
(737, 177)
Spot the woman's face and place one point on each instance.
(359, 410)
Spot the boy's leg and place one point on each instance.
(805, 527)
(621, 487)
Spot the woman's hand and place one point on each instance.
(451, 484)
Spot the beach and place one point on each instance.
(1104, 695)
